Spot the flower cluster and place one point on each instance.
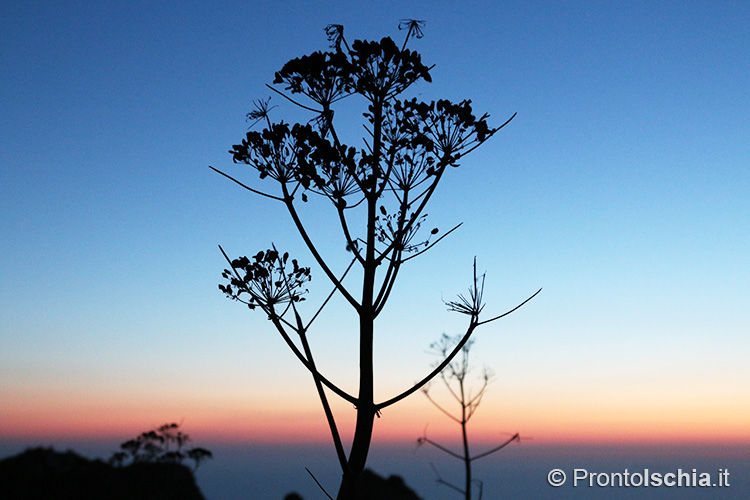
(264, 280)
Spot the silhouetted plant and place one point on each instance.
(454, 379)
(163, 444)
(386, 183)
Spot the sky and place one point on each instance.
(620, 188)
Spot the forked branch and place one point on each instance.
(473, 324)
(277, 322)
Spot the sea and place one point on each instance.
(522, 471)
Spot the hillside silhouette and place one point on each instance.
(43, 474)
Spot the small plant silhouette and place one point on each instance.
(454, 377)
(163, 444)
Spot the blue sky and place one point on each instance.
(621, 188)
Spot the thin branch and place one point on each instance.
(432, 244)
(393, 189)
(493, 132)
(386, 292)
(387, 175)
(512, 310)
(347, 235)
(301, 330)
(474, 405)
(434, 372)
(448, 384)
(349, 207)
(446, 412)
(474, 323)
(416, 213)
(440, 480)
(277, 323)
(323, 399)
(281, 318)
(515, 437)
(474, 401)
(245, 186)
(330, 295)
(318, 483)
(293, 101)
(481, 488)
(440, 447)
(311, 246)
(337, 143)
(400, 236)
(343, 394)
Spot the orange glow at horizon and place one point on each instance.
(239, 420)
(217, 423)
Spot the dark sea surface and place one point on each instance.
(269, 471)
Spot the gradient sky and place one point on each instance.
(621, 188)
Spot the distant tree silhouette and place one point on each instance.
(163, 444)
(454, 379)
(385, 185)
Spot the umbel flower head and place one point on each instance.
(265, 281)
(473, 304)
